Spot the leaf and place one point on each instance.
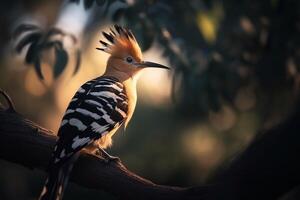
(31, 53)
(50, 44)
(207, 27)
(23, 28)
(37, 68)
(61, 60)
(88, 4)
(31, 37)
(100, 2)
(54, 31)
(78, 61)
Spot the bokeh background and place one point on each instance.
(235, 70)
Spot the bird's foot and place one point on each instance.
(107, 158)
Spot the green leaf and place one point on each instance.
(31, 37)
(61, 60)
(54, 31)
(50, 44)
(32, 53)
(37, 68)
(23, 28)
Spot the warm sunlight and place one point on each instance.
(199, 100)
(154, 86)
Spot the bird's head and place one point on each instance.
(125, 53)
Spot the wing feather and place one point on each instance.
(98, 107)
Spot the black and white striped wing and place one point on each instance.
(99, 106)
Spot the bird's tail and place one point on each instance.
(57, 181)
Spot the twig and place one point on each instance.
(11, 106)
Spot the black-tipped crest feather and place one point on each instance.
(108, 37)
(117, 27)
(130, 34)
(114, 35)
(112, 31)
(101, 49)
(104, 43)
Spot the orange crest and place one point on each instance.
(121, 43)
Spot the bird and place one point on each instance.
(98, 108)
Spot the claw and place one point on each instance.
(108, 158)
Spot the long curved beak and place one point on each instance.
(151, 64)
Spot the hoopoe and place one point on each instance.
(98, 109)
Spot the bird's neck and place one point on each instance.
(121, 76)
(129, 83)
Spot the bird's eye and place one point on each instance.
(129, 59)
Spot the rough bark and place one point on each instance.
(28, 144)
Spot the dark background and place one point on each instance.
(235, 70)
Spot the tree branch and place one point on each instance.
(267, 169)
(26, 143)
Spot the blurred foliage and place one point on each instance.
(38, 42)
(235, 69)
(89, 3)
(215, 48)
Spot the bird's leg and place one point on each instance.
(106, 156)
